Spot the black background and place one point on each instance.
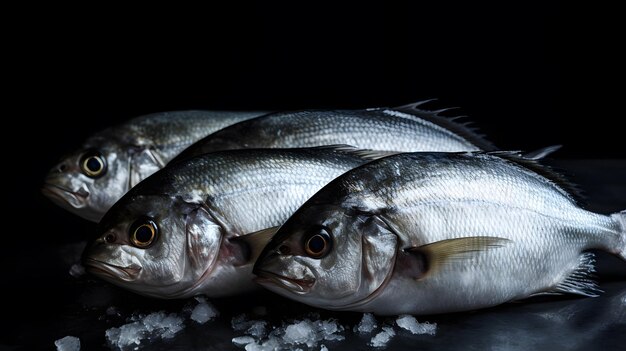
(519, 71)
(528, 75)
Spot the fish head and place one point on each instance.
(328, 256)
(155, 245)
(88, 182)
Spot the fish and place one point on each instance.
(428, 233)
(400, 129)
(174, 235)
(88, 181)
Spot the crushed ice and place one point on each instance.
(258, 335)
(309, 332)
(68, 343)
(367, 324)
(411, 324)
(312, 331)
(70, 255)
(204, 311)
(157, 325)
(381, 339)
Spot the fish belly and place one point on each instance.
(543, 250)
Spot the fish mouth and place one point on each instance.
(297, 286)
(99, 268)
(64, 196)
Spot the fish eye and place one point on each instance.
(143, 232)
(93, 164)
(318, 244)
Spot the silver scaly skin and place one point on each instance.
(174, 234)
(124, 155)
(405, 128)
(431, 233)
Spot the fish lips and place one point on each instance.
(265, 269)
(63, 196)
(110, 271)
(296, 286)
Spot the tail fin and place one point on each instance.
(621, 221)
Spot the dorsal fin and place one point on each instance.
(543, 152)
(366, 154)
(569, 188)
(461, 129)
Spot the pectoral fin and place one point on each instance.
(435, 256)
(255, 242)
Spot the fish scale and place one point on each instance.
(401, 129)
(517, 234)
(262, 177)
(199, 207)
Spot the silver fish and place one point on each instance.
(90, 180)
(173, 235)
(430, 233)
(405, 128)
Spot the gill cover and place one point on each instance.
(143, 163)
(379, 247)
(204, 237)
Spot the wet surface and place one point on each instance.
(49, 304)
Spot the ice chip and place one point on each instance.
(253, 327)
(112, 311)
(68, 343)
(411, 324)
(381, 339)
(271, 344)
(77, 270)
(239, 322)
(301, 332)
(171, 325)
(310, 333)
(126, 335)
(257, 329)
(366, 325)
(243, 340)
(204, 311)
(329, 330)
(323, 348)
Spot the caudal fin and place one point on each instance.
(620, 217)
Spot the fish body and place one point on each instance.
(405, 128)
(172, 236)
(89, 181)
(427, 233)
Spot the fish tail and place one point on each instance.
(620, 217)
